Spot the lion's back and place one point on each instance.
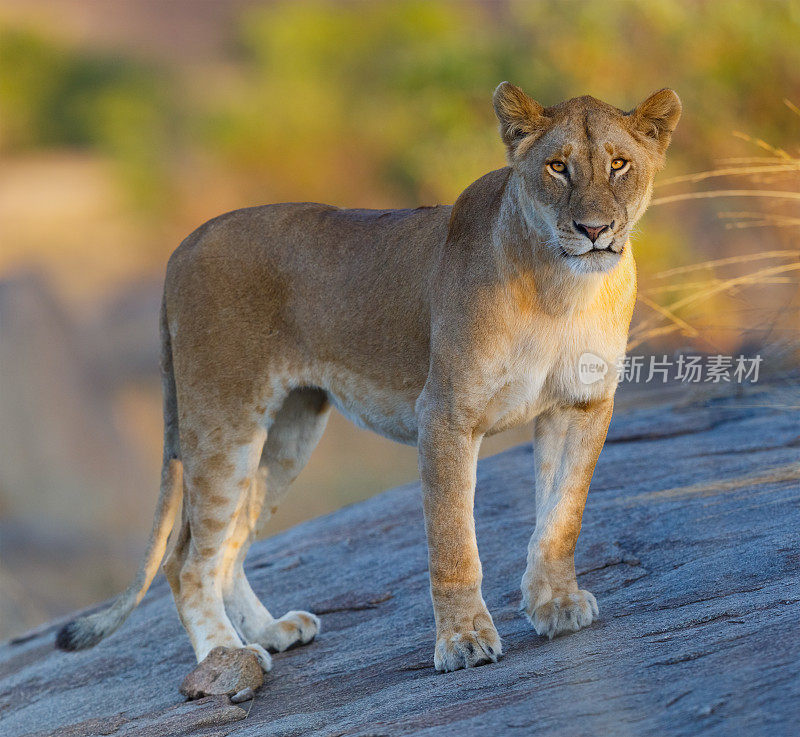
(351, 283)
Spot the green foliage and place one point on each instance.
(406, 85)
(389, 103)
(54, 96)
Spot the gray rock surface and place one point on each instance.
(690, 543)
(224, 672)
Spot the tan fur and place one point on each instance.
(435, 326)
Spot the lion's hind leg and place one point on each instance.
(292, 436)
(250, 617)
(220, 466)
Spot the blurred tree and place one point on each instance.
(55, 96)
(398, 93)
(388, 103)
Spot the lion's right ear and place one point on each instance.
(519, 115)
(657, 117)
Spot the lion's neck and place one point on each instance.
(521, 236)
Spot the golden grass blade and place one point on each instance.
(746, 279)
(688, 330)
(683, 286)
(749, 160)
(764, 224)
(750, 214)
(722, 286)
(636, 340)
(664, 288)
(726, 261)
(760, 218)
(762, 144)
(791, 106)
(715, 193)
(731, 171)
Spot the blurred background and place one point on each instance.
(125, 125)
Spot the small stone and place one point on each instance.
(224, 671)
(246, 694)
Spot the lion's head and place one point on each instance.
(585, 168)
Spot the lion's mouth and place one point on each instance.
(609, 249)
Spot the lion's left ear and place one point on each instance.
(519, 115)
(658, 116)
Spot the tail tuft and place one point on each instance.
(80, 634)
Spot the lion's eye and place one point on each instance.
(617, 164)
(559, 167)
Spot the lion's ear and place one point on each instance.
(519, 115)
(658, 116)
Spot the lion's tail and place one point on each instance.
(89, 630)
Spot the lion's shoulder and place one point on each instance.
(476, 207)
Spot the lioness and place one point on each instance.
(435, 326)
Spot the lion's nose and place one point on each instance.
(592, 232)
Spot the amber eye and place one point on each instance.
(617, 164)
(559, 167)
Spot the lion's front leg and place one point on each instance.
(567, 443)
(465, 633)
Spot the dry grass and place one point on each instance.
(693, 285)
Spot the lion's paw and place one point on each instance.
(264, 659)
(292, 629)
(467, 649)
(567, 613)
